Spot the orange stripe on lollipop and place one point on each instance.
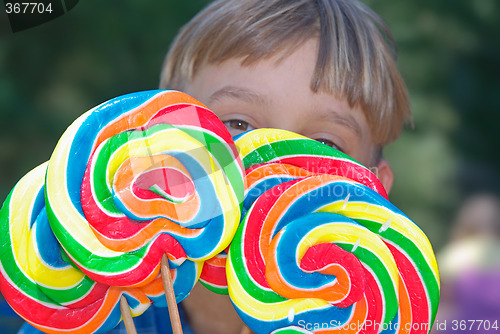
(356, 323)
(143, 114)
(405, 322)
(357, 319)
(217, 261)
(155, 288)
(153, 228)
(111, 299)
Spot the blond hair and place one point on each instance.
(356, 57)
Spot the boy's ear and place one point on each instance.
(385, 174)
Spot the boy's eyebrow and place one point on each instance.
(346, 120)
(238, 93)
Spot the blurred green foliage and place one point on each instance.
(449, 54)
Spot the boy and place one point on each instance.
(322, 68)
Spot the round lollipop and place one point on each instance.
(38, 280)
(274, 156)
(324, 253)
(139, 176)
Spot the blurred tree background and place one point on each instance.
(449, 55)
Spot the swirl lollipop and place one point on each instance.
(324, 253)
(139, 176)
(43, 287)
(273, 156)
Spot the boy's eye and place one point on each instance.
(329, 143)
(237, 124)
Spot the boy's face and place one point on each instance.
(272, 94)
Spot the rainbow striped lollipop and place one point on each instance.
(139, 176)
(43, 287)
(274, 156)
(324, 253)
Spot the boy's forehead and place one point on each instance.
(290, 68)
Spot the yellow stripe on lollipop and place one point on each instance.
(24, 240)
(398, 223)
(265, 137)
(74, 222)
(347, 233)
(48, 276)
(20, 215)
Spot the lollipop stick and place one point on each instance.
(170, 295)
(127, 317)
